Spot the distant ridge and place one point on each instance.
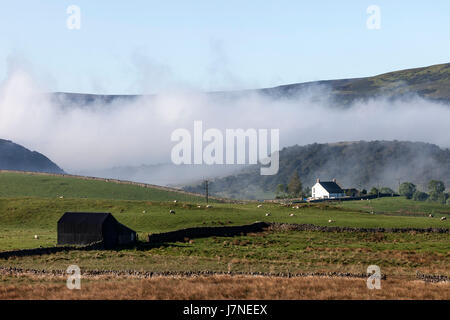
(354, 164)
(17, 157)
(431, 83)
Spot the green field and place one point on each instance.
(30, 205)
(398, 206)
(47, 186)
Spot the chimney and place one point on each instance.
(334, 180)
(318, 180)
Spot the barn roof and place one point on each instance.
(331, 187)
(92, 218)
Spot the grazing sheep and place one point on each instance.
(443, 218)
(175, 201)
(172, 211)
(430, 216)
(36, 236)
(267, 214)
(209, 206)
(143, 211)
(291, 215)
(259, 206)
(61, 197)
(330, 221)
(199, 206)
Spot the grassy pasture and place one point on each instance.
(47, 186)
(30, 205)
(399, 206)
(22, 218)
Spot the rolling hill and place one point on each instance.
(54, 186)
(354, 164)
(16, 157)
(431, 83)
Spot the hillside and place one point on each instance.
(432, 83)
(14, 185)
(16, 157)
(354, 164)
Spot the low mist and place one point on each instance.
(91, 138)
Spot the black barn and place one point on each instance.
(81, 228)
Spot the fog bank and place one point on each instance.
(133, 132)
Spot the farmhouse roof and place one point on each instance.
(331, 187)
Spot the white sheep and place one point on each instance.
(143, 211)
(267, 214)
(430, 216)
(330, 221)
(175, 201)
(259, 206)
(61, 197)
(36, 236)
(291, 215)
(209, 206)
(172, 211)
(443, 218)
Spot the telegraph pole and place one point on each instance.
(206, 190)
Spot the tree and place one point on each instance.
(442, 198)
(420, 196)
(307, 192)
(386, 190)
(363, 191)
(437, 197)
(448, 202)
(373, 191)
(434, 196)
(436, 186)
(407, 189)
(281, 191)
(295, 185)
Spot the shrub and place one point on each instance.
(438, 197)
(420, 196)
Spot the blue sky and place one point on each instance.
(148, 46)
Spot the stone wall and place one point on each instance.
(203, 232)
(49, 250)
(312, 227)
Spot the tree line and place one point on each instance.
(436, 191)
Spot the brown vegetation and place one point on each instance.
(218, 287)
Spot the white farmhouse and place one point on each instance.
(327, 190)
